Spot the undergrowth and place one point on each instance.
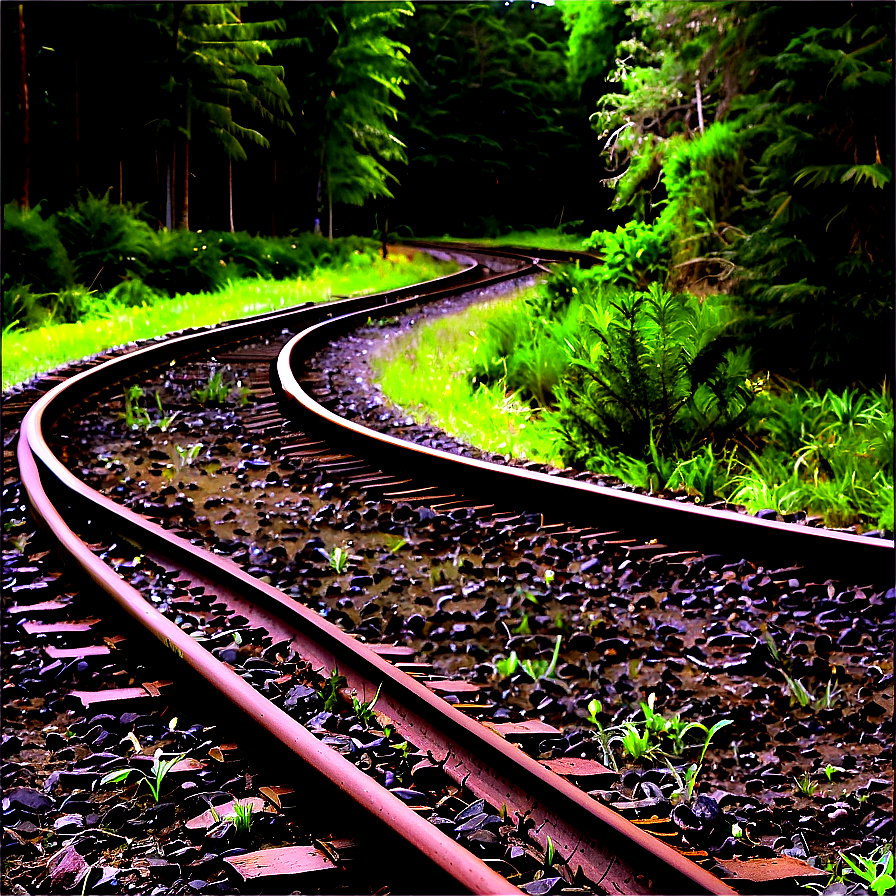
(652, 388)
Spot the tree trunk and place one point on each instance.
(26, 115)
(185, 207)
(320, 188)
(170, 181)
(230, 190)
(77, 131)
(699, 105)
(169, 224)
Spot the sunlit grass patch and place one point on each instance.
(26, 353)
(428, 372)
(542, 238)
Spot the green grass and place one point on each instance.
(26, 353)
(429, 372)
(543, 238)
(828, 454)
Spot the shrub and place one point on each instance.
(33, 254)
(633, 256)
(107, 242)
(652, 372)
(132, 293)
(22, 308)
(185, 262)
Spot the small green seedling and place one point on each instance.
(154, 778)
(163, 422)
(798, 692)
(332, 686)
(338, 560)
(506, 666)
(605, 736)
(549, 853)
(831, 770)
(875, 870)
(549, 576)
(634, 743)
(242, 817)
(134, 415)
(536, 668)
(364, 711)
(218, 390)
(594, 709)
(805, 786)
(688, 783)
(188, 454)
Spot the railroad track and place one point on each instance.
(454, 749)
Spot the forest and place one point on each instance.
(730, 163)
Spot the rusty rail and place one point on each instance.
(678, 525)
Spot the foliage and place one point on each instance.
(524, 346)
(755, 147)
(541, 668)
(649, 373)
(490, 118)
(136, 416)
(363, 710)
(33, 254)
(830, 453)
(366, 70)
(153, 779)
(242, 817)
(633, 256)
(331, 689)
(338, 560)
(26, 353)
(431, 371)
(218, 390)
(107, 242)
(506, 666)
(818, 264)
(874, 872)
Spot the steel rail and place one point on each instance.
(41, 472)
(594, 844)
(823, 551)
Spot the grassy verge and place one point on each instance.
(829, 454)
(544, 238)
(429, 373)
(26, 353)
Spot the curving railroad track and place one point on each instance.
(602, 850)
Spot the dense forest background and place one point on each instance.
(730, 163)
(460, 115)
(741, 148)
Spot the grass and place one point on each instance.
(27, 353)
(543, 238)
(429, 371)
(483, 377)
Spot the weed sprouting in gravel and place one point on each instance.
(153, 779)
